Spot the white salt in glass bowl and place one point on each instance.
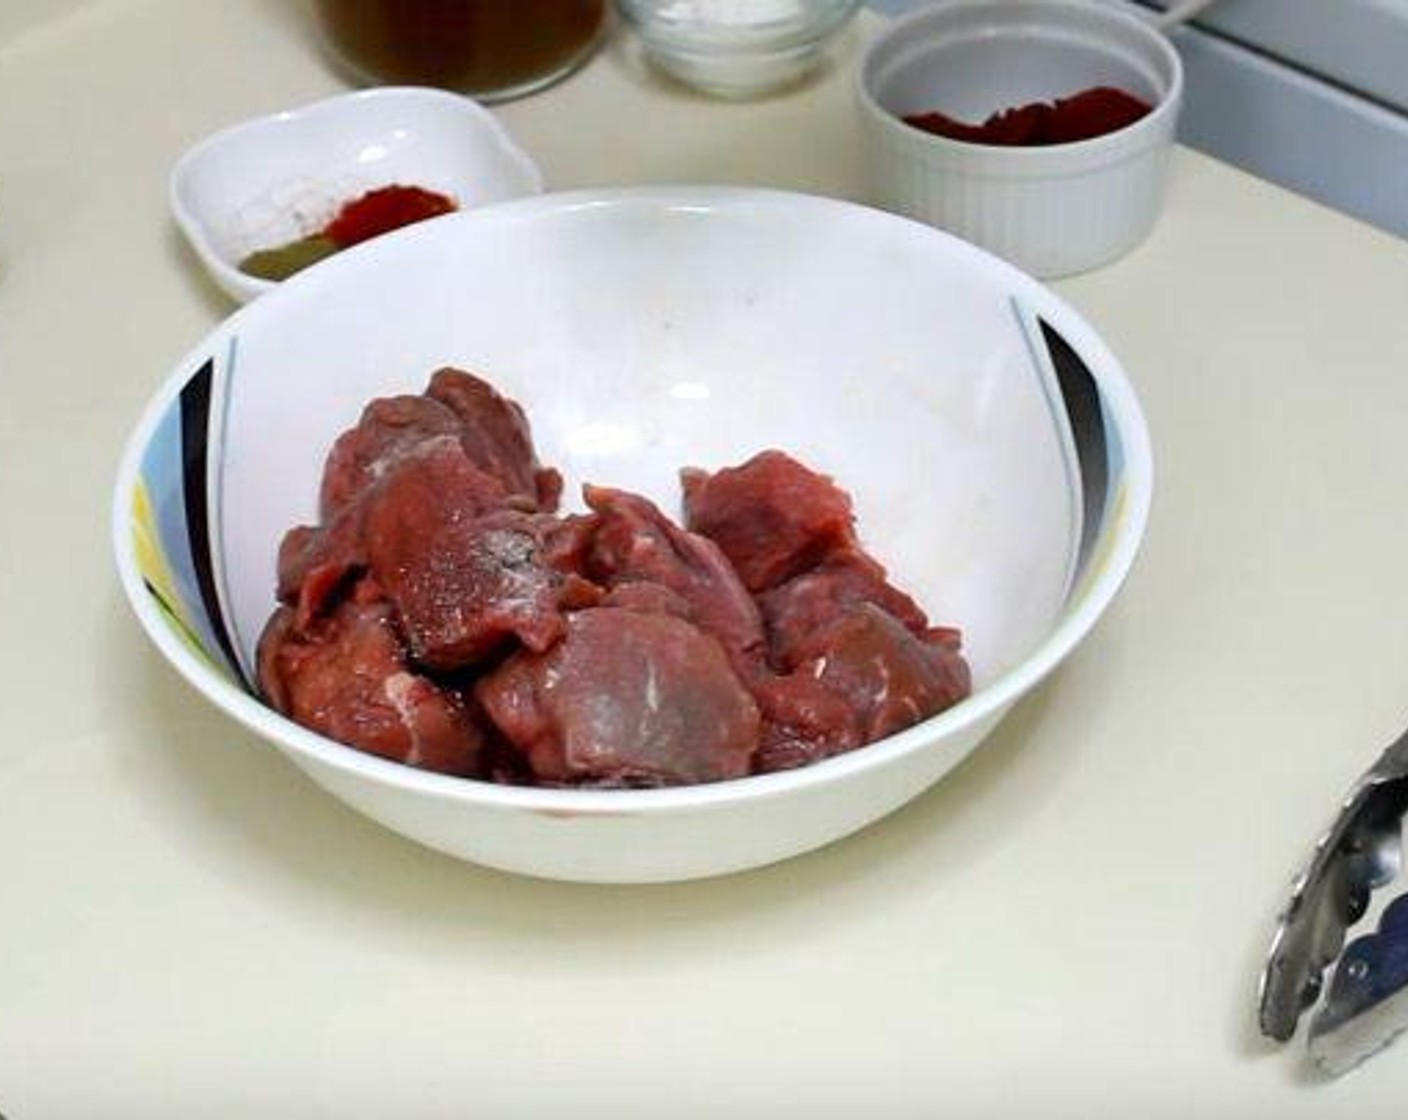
(270, 180)
(738, 48)
(994, 448)
(1051, 210)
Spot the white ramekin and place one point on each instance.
(1052, 210)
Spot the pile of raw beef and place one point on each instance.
(445, 615)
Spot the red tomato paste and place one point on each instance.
(1082, 116)
(382, 210)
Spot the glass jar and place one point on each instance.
(489, 49)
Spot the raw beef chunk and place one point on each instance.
(442, 612)
(803, 721)
(491, 429)
(851, 657)
(627, 698)
(772, 516)
(797, 610)
(634, 541)
(496, 436)
(346, 677)
(652, 598)
(388, 429)
(465, 572)
(318, 563)
(890, 678)
(315, 563)
(866, 676)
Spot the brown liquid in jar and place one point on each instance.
(487, 48)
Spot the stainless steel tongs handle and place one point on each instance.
(1361, 852)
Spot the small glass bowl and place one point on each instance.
(737, 48)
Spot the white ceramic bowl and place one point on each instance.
(740, 49)
(1050, 210)
(267, 181)
(995, 451)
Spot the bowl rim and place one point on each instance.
(1052, 158)
(197, 232)
(1084, 608)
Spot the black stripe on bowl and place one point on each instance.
(1086, 417)
(195, 405)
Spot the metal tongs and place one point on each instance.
(1367, 1004)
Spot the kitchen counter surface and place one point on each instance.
(1070, 925)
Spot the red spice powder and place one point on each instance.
(382, 210)
(1082, 116)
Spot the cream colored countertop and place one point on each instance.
(1071, 925)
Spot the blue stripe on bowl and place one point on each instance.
(176, 471)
